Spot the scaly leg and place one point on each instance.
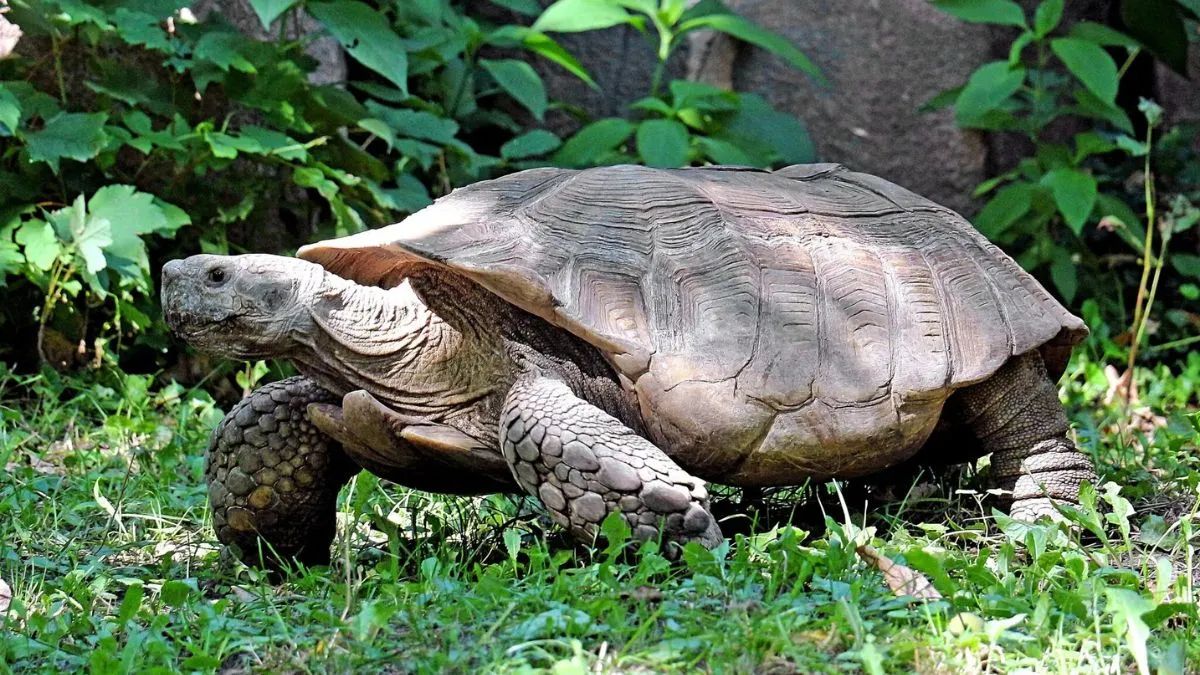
(273, 477)
(583, 464)
(1017, 417)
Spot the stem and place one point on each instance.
(1133, 53)
(665, 45)
(1139, 310)
(1174, 344)
(56, 49)
(1158, 266)
(656, 79)
(56, 276)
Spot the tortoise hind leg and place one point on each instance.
(1017, 417)
(273, 477)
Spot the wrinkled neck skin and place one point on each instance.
(389, 343)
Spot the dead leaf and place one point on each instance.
(904, 581)
(5, 596)
(1121, 386)
(648, 594)
(10, 35)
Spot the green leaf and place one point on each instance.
(269, 10)
(999, 12)
(224, 50)
(1064, 274)
(768, 135)
(593, 141)
(10, 112)
(129, 215)
(520, 81)
(1091, 143)
(544, 46)
(943, 99)
(1075, 194)
(1102, 35)
(175, 593)
(662, 143)
(132, 602)
(310, 177)
(530, 144)
(77, 136)
(89, 235)
(1186, 264)
(989, 86)
(366, 34)
(275, 143)
(573, 16)
(1089, 105)
(724, 152)
(415, 123)
(226, 146)
(1091, 64)
(40, 244)
(1126, 608)
(654, 105)
(1017, 48)
(1008, 206)
(128, 210)
(526, 7)
(140, 28)
(747, 31)
(1047, 16)
(1159, 25)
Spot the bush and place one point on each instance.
(125, 121)
(1086, 209)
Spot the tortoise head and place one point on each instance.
(245, 306)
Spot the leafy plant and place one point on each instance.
(689, 122)
(1041, 207)
(1064, 207)
(93, 247)
(165, 120)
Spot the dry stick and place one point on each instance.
(1140, 313)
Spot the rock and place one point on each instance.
(1180, 96)
(883, 60)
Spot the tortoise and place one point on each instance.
(607, 340)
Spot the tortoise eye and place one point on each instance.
(216, 275)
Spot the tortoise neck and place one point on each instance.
(389, 343)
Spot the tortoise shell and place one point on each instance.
(774, 326)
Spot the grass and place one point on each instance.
(106, 544)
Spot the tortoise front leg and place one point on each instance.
(273, 477)
(584, 464)
(1018, 418)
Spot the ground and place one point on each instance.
(107, 547)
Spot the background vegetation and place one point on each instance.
(133, 131)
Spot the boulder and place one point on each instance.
(883, 60)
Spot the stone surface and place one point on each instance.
(1180, 96)
(883, 61)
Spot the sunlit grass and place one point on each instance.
(106, 543)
